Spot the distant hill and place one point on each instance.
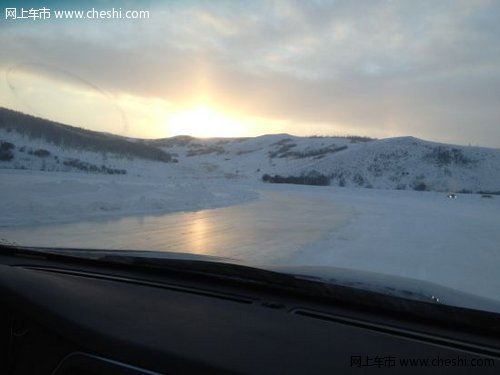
(70, 137)
(404, 163)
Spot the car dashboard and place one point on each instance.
(60, 315)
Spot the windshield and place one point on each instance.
(349, 141)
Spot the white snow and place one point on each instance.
(30, 197)
(393, 163)
(215, 203)
(422, 235)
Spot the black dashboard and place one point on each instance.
(71, 316)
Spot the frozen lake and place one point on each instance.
(421, 235)
(276, 226)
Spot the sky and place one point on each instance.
(429, 69)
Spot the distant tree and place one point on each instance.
(444, 156)
(70, 137)
(311, 178)
(41, 153)
(358, 179)
(420, 186)
(88, 167)
(6, 153)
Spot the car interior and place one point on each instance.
(77, 315)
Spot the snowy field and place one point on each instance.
(422, 235)
(33, 197)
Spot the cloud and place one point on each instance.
(425, 68)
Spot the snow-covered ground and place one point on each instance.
(386, 210)
(31, 197)
(403, 163)
(422, 235)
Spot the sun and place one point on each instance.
(203, 121)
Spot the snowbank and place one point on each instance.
(30, 197)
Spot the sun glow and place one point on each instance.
(203, 121)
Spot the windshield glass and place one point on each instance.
(355, 142)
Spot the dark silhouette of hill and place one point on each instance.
(72, 137)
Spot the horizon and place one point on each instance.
(237, 69)
(345, 136)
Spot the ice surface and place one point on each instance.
(35, 197)
(422, 235)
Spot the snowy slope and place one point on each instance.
(404, 163)
(410, 163)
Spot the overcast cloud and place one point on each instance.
(381, 68)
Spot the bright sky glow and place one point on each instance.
(238, 68)
(203, 121)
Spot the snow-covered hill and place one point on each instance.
(394, 163)
(404, 163)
